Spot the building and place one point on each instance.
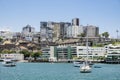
(27, 32)
(53, 31)
(91, 31)
(36, 38)
(75, 22)
(91, 52)
(64, 53)
(15, 56)
(60, 53)
(5, 34)
(76, 29)
(113, 55)
(46, 31)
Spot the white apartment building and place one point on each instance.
(15, 56)
(83, 51)
(6, 34)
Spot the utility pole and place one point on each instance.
(117, 33)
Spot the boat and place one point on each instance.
(8, 63)
(85, 68)
(97, 66)
(77, 63)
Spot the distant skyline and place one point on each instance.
(15, 14)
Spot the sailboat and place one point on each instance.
(85, 68)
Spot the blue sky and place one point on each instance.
(15, 14)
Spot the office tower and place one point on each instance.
(75, 22)
(76, 29)
(28, 32)
(91, 31)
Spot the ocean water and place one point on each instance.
(58, 71)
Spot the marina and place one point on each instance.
(58, 71)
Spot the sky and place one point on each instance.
(16, 14)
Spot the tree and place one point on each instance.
(1, 39)
(26, 53)
(36, 54)
(105, 34)
(81, 35)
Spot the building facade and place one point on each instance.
(28, 32)
(15, 56)
(113, 55)
(53, 31)
(76, 28)
(69, 52)
(4, 34)
(91, 31)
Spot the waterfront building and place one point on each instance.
(59, 52)
(91, 52)
(69, 52)
(15, 56)
(113, 55)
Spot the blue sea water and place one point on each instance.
(58, 71)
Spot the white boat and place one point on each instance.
(85, 68)
(77, 63)
(9, 63)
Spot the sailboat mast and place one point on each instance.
(87, 45)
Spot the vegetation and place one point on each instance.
(1, 39)
(26, 53)
(8, 51)
(81, 35)
(35, 55)
(105, 34)
(98, 45)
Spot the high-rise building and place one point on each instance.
(76, 29)
(53, 31)
(28, 29)
(75, 22)
(91, 31)
(28, 32)
(46, 31)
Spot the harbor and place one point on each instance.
(58, 71)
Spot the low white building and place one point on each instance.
(83, 51)
(15, 56)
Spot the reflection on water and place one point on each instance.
(58, 71)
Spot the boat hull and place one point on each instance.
(85, 71)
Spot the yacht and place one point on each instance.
(8, 63)
(85, 68)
